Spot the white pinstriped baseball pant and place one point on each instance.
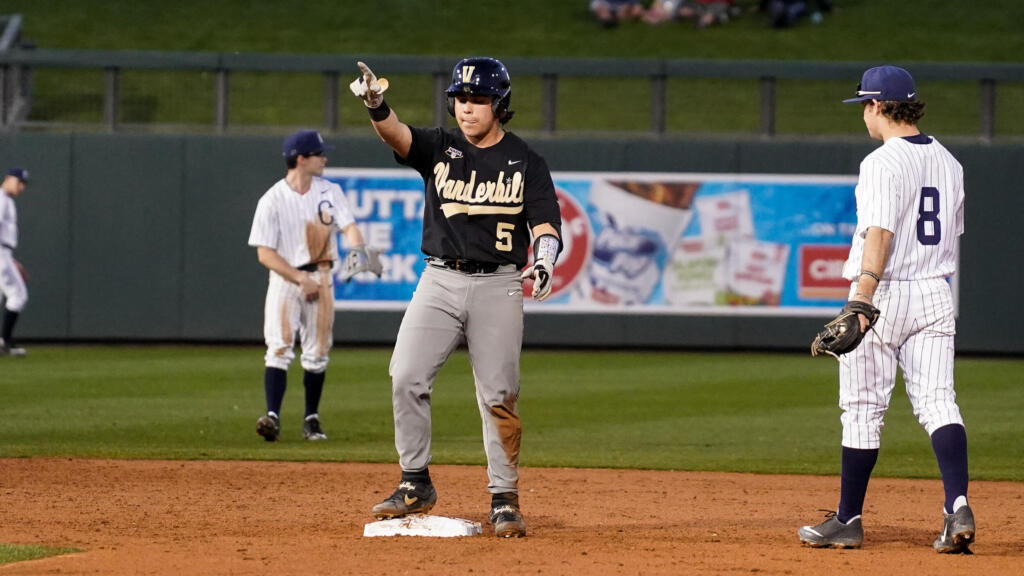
(286, 311)
(12, 285)
(915, 332)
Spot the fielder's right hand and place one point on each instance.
(310, 288)
(369, 87)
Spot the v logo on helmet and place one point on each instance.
(467, 73)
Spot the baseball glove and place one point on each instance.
(361, 259)
(843, 334)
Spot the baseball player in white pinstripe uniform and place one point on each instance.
(12, 275)
(294, 232)
(910, 214)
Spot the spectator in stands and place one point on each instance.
(787, 13)
(610, 12)
(703, 13)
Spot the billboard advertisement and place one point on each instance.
(674, 243)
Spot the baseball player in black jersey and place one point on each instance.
(487, 193)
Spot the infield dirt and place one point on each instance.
(189, 517)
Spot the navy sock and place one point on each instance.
(950, 446)
(275, 381)
(857, 467)
(314, 383)
(10, 319)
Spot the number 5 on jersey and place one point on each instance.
(504, 234)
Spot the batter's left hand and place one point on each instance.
(541, 274)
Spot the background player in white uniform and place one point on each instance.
(12, 275)
(486, 193)
(910, 213)
(294, 232)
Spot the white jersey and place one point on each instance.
(12, 286)
(301, 228)
(913, 188)
(8, 222)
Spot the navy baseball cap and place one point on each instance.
(19, 173)
(886, 83)
(304, 143)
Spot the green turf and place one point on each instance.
(765, 413)
(12, 553)
(862, 30)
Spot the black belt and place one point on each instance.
(468, 266)
(312, 266)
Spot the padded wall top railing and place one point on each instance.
(335, 66)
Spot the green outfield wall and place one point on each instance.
(144, 237)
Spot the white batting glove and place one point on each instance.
(369, 87)
(540, 271)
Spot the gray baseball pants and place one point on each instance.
(487, 310)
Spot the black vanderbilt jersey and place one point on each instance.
(481, 202)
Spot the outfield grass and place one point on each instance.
(764, 413)
(11, 553)
(862, 30)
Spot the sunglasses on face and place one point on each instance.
(317, 153)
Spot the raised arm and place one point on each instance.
(392, 131)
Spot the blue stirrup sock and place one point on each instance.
(275, 381)
(857, 467)
(6, 331)
(314, 383)
(950, 446)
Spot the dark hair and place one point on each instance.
(291, 162)
(903, 112)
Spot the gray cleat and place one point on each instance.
(311, 429)
(505, 516)
(833, 534)
(508, 522)
(957, 532)
(410, 498)
(268, 426)
(12, 351)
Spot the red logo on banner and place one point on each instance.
(821, 272)
(577, 244)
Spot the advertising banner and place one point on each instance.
(672, 243)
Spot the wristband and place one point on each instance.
(546, 247)
(870, 273)
(380, 113)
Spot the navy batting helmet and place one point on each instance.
(482, 77)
